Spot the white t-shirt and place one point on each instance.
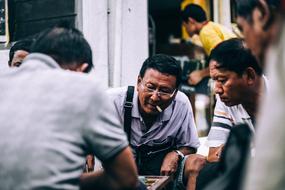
(224, 119)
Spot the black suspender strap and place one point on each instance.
(128, 106)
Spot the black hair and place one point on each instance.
(232, 55)
(65, 44)
(164, 64)
(24, 44)
(193, 11)
(246, 7)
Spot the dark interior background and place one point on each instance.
(28, 17)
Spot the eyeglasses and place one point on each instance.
(163, 93)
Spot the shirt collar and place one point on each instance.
(164, 115)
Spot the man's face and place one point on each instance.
(255, 37)
(18, 58)
(228, 84)
(190, 27)
(155, 89)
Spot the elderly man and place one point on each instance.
(161, 124)
(51, 117)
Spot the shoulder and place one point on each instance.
(182, 101)
(181, 98)
(230, 112)
(207, 28)
(117, 92)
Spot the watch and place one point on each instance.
(180, 154)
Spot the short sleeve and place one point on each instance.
(187, 135)
(104, 131)
(210, 39)
(221, 125)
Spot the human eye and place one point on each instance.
(150, 87)
(17, 64)
(222, 80)
(165, 91)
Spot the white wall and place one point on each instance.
(4, 57)
(128, 40)
(222, 12)
(118, 34)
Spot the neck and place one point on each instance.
(148, 119)
(200, 25)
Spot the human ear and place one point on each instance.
(191, 20)
(261, 15)
(82, 67)
(250, 75)
(138, 82)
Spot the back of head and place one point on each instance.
(24, 45)
(232, 55)
(193, 11)
(65, 44)
(164, 64)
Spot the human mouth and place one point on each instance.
(154, 107)
(224, 100)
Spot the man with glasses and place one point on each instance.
(162, 124)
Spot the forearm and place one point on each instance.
(191, 183)
(205, 72)
(96, 180)
(119, 173)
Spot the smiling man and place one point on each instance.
(239, 84)
(162, 128)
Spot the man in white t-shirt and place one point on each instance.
(239, 83)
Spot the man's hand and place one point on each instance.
(193, 165)
(90, 163)
(215, 153)
(196, 76)
(119, 172)
(170, 164)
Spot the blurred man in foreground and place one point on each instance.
(51, 117)
(262, 23)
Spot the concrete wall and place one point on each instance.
(118, 34)
(94, 27)
(222, 12)
(128, 40)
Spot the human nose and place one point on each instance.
(218, 88)
(155, 95)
